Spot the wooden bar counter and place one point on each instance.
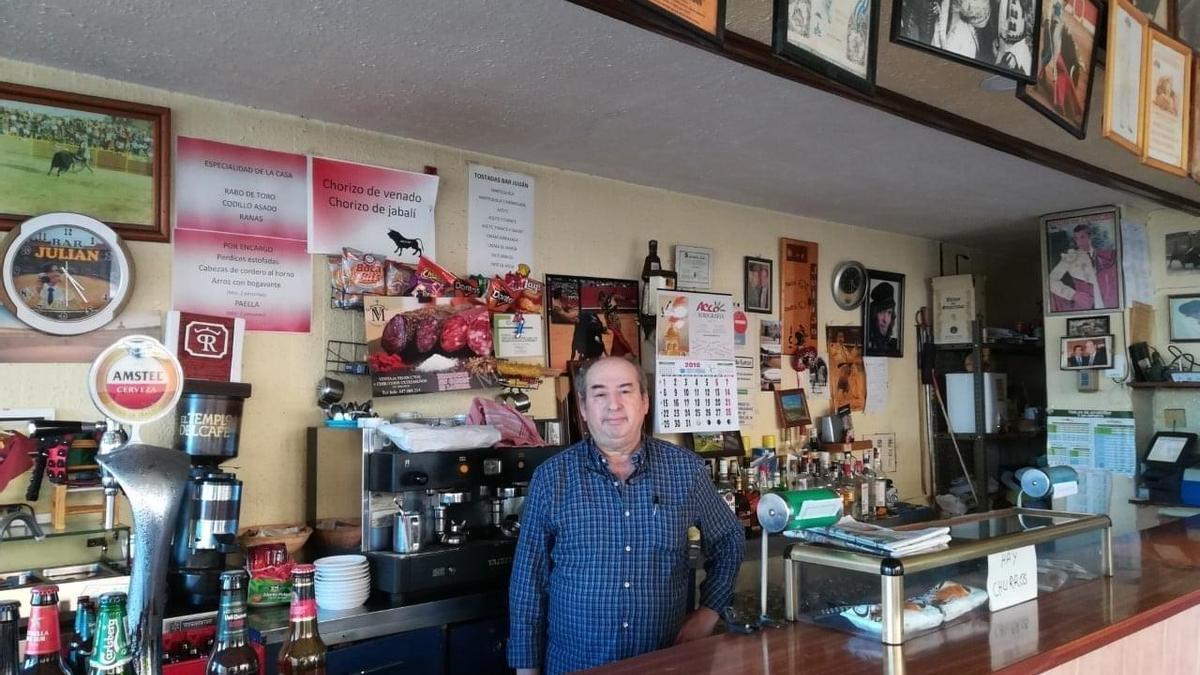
(1145, 619)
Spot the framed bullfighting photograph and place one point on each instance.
(1081, 261)
(836, 39)
(999, 36)
(99, 157)
(590, 317)
(1065, 64)
(883, 309)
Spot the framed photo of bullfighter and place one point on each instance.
(1066, 63)
(1081, 261)
(100, 157)
(590, 317)
(999, 36)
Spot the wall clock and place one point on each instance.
(849, 284)
(65, 273)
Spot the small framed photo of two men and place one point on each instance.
(759, 279)
(883, 309)
(1086, 353)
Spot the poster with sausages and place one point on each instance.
(416, 346)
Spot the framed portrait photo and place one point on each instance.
(883, 309)
(1184, 314)
(1066, 60)
(1081, 261)
(758, 275)
(837, 39)
(999, 36)
(792, 407)
(1089, 326)
(1087, 353)
(1128, 32)
(1166, 100)
(103, 158)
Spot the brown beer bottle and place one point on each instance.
(10, 614)
(303, 652)
(232, 653)
(43, 655)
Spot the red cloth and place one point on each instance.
(14, 457)
(516, 430)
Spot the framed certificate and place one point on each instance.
(1127, 36)
(1166, 100)
(704, 17)
(693, 267)
(836, 38)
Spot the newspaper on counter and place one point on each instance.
(850, 534)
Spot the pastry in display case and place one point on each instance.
(893, 600)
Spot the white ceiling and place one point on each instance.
(548, 82)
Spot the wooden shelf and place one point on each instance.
(847, 447)
(1165, 385)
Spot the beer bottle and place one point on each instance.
(111, 653)
(80, 646)
(42, 642)
(303, 652)
(10, 614)
(232, 653)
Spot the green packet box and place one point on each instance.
(269, 592)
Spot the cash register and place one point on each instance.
(1171, 454)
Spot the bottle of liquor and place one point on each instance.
(303, 652)
(652, 264)
(10, 614)
(80, 646)
(232, 653)
(42, 643)
(111, 652)
(866, 509)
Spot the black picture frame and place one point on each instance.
(1101, 362)
(1040, 94)
(912, 27)
(791, 408)
(753, 289)
(1089, 326)
(883, 289)
(715, 443)
(718, 37)
(1175, 306)
(817, 63)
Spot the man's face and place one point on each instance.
(614, 405)
(1077, 351)
(883, 321)
(1089, 348)
(1083, 240)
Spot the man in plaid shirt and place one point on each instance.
(601, 572)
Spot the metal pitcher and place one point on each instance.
(406, 532)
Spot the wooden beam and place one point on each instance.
(752, 53)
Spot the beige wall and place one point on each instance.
(585, 225)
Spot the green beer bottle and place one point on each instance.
(232, 653)
(111, 654)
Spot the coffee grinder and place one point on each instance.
(208, 421)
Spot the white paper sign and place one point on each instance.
(499, 220)
(519, 336)
(1012, 577)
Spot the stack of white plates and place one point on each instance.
(342, 582)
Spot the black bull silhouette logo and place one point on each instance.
(402, 242)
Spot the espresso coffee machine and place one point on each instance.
(438, 524)
(208, 419)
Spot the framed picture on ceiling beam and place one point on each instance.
(1124, 53)
(837, 39)
(1166, 100)
(999, 36)
(1065, 64)
(705, 18)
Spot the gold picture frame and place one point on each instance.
(1122, 15)
(1161, 100)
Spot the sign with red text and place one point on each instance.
(240, 235)
(695, 380)
(371, 208)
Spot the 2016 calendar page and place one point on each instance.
(695, 383)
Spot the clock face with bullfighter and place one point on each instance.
(65, 273)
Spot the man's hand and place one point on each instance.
(698, 624)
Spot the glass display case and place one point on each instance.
(897, 599)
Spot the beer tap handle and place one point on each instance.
(52, 428)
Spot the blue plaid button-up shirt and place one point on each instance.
(600, 572)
